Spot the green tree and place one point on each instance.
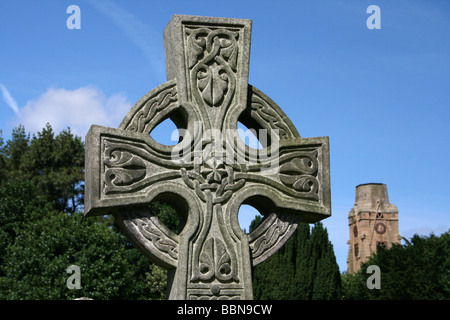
(53, 165)
(42, 231)
(21, 196)
(14, 150)
(167, 215)
(157, 281)
(417, 270)
(354, 286)
(273, 279)
(304, 279)
(304, 268)
(36, 263)
(327, 281)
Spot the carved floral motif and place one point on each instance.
(124, 168)
(212, 59)
(215, 262)
(300, 173)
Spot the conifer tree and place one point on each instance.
(304, 268)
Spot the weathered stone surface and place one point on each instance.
(373, 222)
(211, 171)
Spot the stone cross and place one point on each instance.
(210, 172)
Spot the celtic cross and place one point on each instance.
(210, 172)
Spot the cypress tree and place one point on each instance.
(326, 283)
(304, 275)
(304, 268)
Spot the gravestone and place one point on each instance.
(210, 172)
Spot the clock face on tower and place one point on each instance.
(380, 228)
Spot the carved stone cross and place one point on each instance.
(210, 172)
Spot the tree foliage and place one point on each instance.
(43, 232)
(52, 164)
(36, 263)
(38, 177)
(417, 270)
(304, 268)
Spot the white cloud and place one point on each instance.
(9, 100)
(77, 109)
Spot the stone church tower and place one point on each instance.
(373, 222)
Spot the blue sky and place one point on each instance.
(381, 95)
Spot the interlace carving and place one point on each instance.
(264, 240)
(161, 238)
(152, 108)
(152, 234)
(210, 172)
(212, 59)
(267, 116)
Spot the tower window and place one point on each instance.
(380, 215)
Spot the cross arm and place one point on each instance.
(297, 179)
(121, 169)
(298, 190)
